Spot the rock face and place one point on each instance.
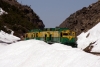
(20, 18)
(84, 19)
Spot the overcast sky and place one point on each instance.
(54, 12)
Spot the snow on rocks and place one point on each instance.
(7, 38)
(91, 37)
(2, 11)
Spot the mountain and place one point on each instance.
(18, 18)
(83, 19)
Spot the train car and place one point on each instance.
(53, 35)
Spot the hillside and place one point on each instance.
(19, 18)
(83, 19)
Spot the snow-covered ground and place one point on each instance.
(2, 11)
(92, 36)
(35, 53)
(7, 38)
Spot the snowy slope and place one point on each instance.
(2, 11)
(34, 53)
(92, 36)
(7, 38)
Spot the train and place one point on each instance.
(53, 35)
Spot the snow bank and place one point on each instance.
(92, 36)
(34, 53)
(7, 38)
(2, 11)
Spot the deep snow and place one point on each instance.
(7, 38)
(34, 53)
(93, 35)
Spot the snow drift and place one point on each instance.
(7, 38)
(34, 53)
(92, 36)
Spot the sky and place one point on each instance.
(54, 12)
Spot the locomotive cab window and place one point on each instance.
(65, 34)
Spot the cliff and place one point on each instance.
(19, 18)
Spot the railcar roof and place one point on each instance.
(49, 29)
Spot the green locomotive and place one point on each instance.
(53, 35)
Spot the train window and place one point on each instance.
(65, 34)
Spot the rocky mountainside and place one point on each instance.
(19, 18)
(83, 19)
